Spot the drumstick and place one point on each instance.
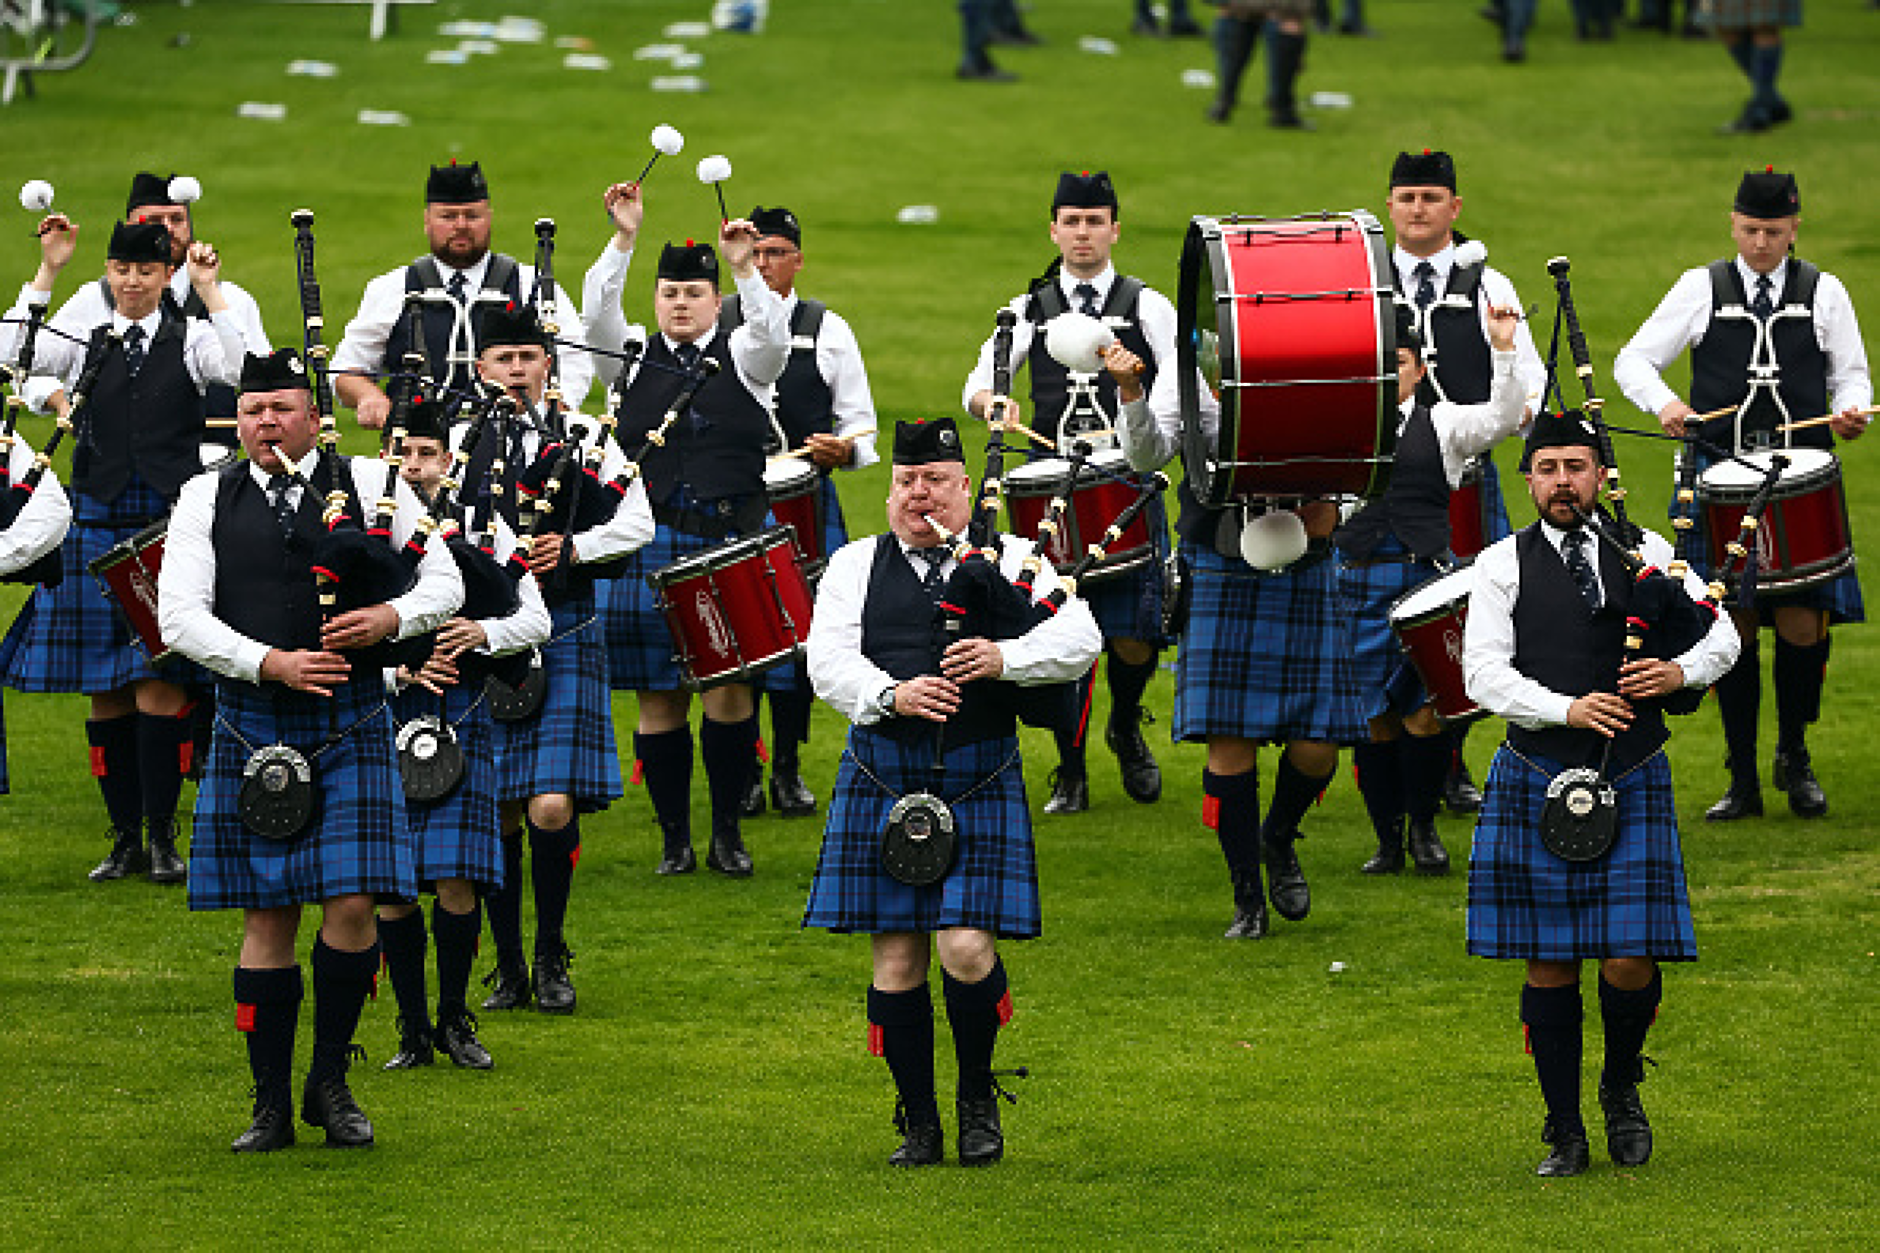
(804, 450)
(1826, 418)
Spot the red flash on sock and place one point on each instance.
(1211, 812)
(875, 1045)
(97, 763)
(637, 775)
(763, 751)
(1005, 1007)
(185, 756)
(574, 858)
(244, 1017)
(1527, 1039)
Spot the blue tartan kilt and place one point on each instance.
(1129, 606)
(70, 638)
(457, 837)
(1524, 902)
(994, 883)
(356, 842)
(567, 748)
(1748, 14)
(1264, 656)
(1840, 596)
(1386, 682)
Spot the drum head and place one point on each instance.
(787, 476)
(1438, 594)
(430, 761)
(1037, 478)
(1746, 473)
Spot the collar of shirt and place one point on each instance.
(304, 467)
(472, 275)
(1776, 278)
(1558, 538)
(1067, 284)
(120, 324)
(703, 343)
(919, 564)
(1442, 262)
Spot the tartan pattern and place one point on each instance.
(456, 837)
(568, 747)
(357, 841)
(1379, 665)
(1839, 596)
(1130, 608)
(994, 884)
(640, 652)
(1524, 902)
(70, 638)
(1264, 656)
(1744, 14)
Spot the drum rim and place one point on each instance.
(1827, 470)
(1400, 608)
(800, 472)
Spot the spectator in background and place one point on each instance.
(1752, 31)
(1181, 23)
(1239, 24)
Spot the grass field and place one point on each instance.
(1187, 1092)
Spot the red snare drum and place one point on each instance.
(128, 574)
(735, 610)
(1428, 621)
(795, 492)
(1095, 504)
(1289, 322)
(1468, 514)
(1804, 537)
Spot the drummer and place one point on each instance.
(1445, 276)
(1397, 541)
(706, 484)
(35, 533)
(1771, 338)
(140, 438)
(1067, 407)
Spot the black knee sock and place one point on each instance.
(1799, 672)
(341, 983)
(727, 748)
(552, 858)
(267, 1012)
(1458, 736)
(1739, 702)
(1236, 814)
(1070, 737)
(1380, 782)
(1128, 681)
(164, 747)
(976, 1011)
(1627, 1015)
(1294, 791)
(505, 903)
(666, 762)
(456, 938)
(1424, 762)
(789, 727)
(402, 940)
(1552, 1017)
(901, 1034)
(114, 763)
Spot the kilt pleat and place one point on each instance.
(1524, 902)
(640, 652)
(458, 836)
(1385, 680)
(357, 841)
(1748, 14)
(994, 883)
(567, 748)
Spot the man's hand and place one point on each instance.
(737, 241)
(969, 659)
(1673, 417)
(1648, 678)
(831, 452)
(438, 672)
(627, 208)
(459, 636)
(58, 242)
(373, 408)
(205, 276)
(545, 552)
(931, 696)
(1603, 712)
(1503, 322)
(1126, 368)
(304, 671)
(359, 628)
(1851, 422)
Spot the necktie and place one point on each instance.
(1580, 568)
(278, 487)
(1764, 304)
(134, 349)
(1086, 299)
(1426, 284)
(934, 557)
(688, 355)
(457, 287)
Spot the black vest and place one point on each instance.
(1454, 345)
(717, 449)
(1050, 382)
(805, 403)
(1560, 643)
(264, 585)
(477, 480)
(1725, 359)
(1415, 507)
(902, 633)
(149, 426)
(218, 399)
(501, 284)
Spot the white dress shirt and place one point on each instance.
(212, 350)
(528, 624)
(1496, 290)
(1150, 429)
(42, 522)
(1060, 648)
(1683, 316)
(1464, 432)
(1488, 638)
(186, 584)
(839, 361)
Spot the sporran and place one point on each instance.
(276, 797)
(522, 701)
(921, 841)
(1580, 820)
(430, 761)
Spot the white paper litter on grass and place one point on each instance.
(574, 43)
(1329, 100)
(688, 61)
(1200, 80)
(1098, 45)
(918, 215)
(482, 47)
(520, 30)
(262, 111)
(382, 117)
(679, 82)
(687, 30)
(658, 52)
(313, 69)
(447, 56)
(467, 30)
(586, 61)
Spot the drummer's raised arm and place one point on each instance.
(1150, 428)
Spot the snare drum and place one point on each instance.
(128, 574)
(1289, 322)
(795, 493)
(735, 610)
(1428, 621)
(1468, 514)
(1098, 500)
(1804, 537)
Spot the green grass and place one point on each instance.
(1186, 1092)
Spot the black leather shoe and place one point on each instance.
(1070, 793)
(1142, 778)
(414, 1047)
(751, 804)
(1742, 800)
(681, 860)
(166, 864)
(554, 990)
(1426, 848)
(1388, 859)
(922, 1143)
(1460, 795)
(1188, 29)
(1288, 120)
(1570, 1155)
(1285, 879)
(125, 858)
(271, 1130)
(984, 74)
(1794, 774)
(457, 1040)
(1219, 111)
(727, 854)
(790, 796)
(1250, 921)
(509, 986)
(1751, 121)
(982, 1140)
(329, 1105)
(1628, 1132)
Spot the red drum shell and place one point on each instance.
(1096, 503)
(737, 609)
(1428, 621)
(1289, 322)
(128, 573)
(1804, 537)
(795, 493)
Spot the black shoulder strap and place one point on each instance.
(501, 273)
(1123, 294)
(1464, 280)
(1726, 288)
(1047, 302)
(423, 275)
(808, 319)
(731, 314)
(1804, 278)
(104, 289)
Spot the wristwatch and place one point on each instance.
(884, 701)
